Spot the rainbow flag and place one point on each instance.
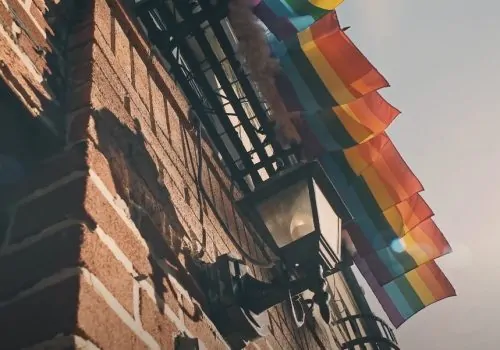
(391, 224)
(323, 58)
(373, 171)
(336, 126)
(408, 294)
(358, 121)
(419, 246)
(311, 9)
(283, 23)
(326, 78)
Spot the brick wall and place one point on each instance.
(100, 235)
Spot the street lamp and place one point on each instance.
(298, 214)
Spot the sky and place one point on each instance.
(442, 59)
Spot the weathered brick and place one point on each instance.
(101, 324)
(201, 329)
(123, 50)
(141, 76)
(115, 78)
(27, 22)
(38, 16)
(44, 315)
(70, 247)
(101, 262)
(157, 323)
(103, 19)
(158, 106)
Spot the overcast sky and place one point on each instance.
(442, 58)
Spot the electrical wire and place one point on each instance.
(201, 200)
(267, 265)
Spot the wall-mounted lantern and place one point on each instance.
(298, 214)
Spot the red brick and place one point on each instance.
(28, 23)
(37, 58)
(75, 158)
(71, 247)
(44, 315)
(81, 126)
(38, 15)
(156, 323)
(199, 327)
(101, 325)
(102, 263)
(158, 104)
(5, 18)
(110, 68)
(141, 76)
(274, 344)
(16, 269)
(166, 83)
(30, 91)
(123, 49)
(108, 86)
(103, 20)
(102, 212)
(41, 4)
(64, 202)
(80, 97)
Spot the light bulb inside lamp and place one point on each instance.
(301, 225)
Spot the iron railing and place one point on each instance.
(365, 332)
(197, 43)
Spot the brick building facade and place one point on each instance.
(101, 212)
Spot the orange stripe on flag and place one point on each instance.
(367, 116)
(406, 215)
(425, 242)
(361, 156)
(358, 75)
(387, 175)
(436, 281)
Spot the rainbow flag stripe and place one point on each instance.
(362, 119)
(336, 127)
(373, 230)
(314, 9)
(408, 294)
(422, 244)
(342, 69)
(348, 125)
(378, 166)
(323, 58)
(284, 24)
(392, 223)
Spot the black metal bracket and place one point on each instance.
(224, 282)
(238, 303)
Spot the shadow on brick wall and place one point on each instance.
(136, 179)
(58, 19)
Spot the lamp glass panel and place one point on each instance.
(329, 222)
(288, 214)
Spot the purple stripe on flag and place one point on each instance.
(281, 27)
(385, 301)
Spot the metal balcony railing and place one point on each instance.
(365, 332)
(195, 39)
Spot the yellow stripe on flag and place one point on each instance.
(420, 287)
(326, 4)
(329, 77)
